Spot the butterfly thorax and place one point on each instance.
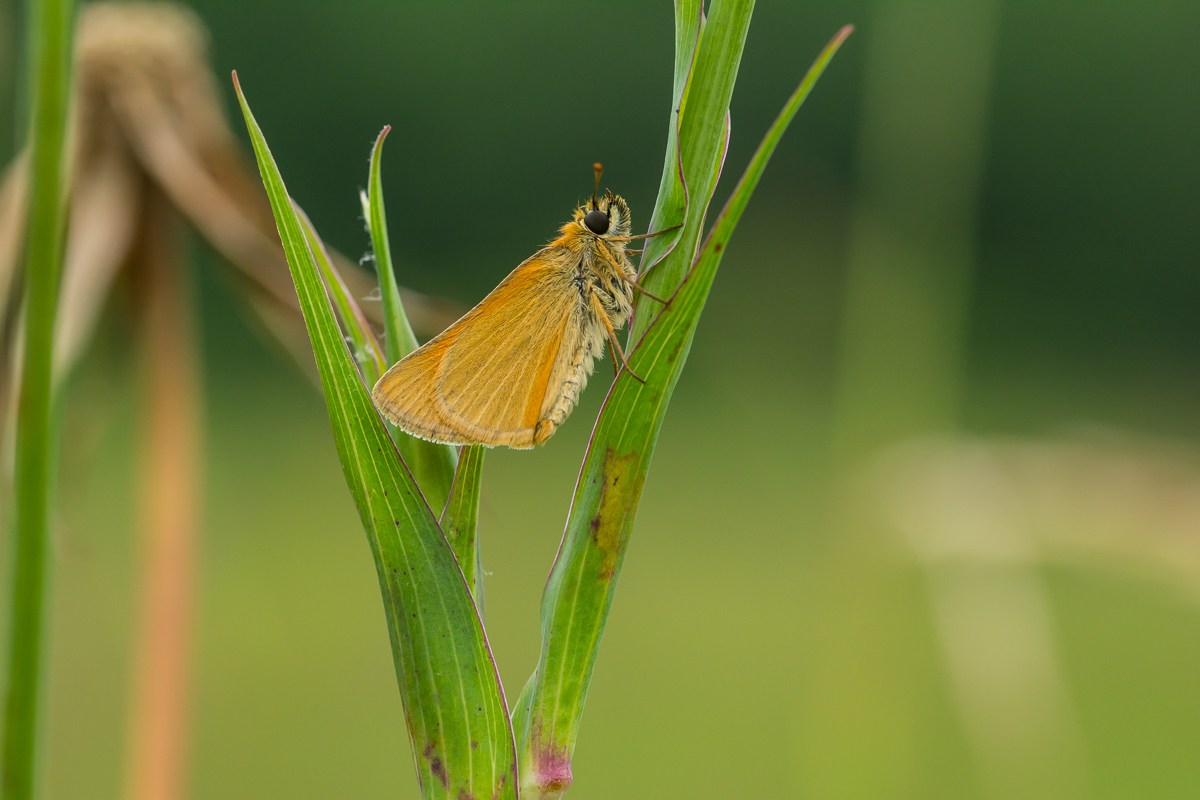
(597, 259)
(598, 256)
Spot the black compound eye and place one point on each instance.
(596, 221)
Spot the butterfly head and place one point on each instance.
(606, 215)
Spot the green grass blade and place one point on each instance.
(671, 207)
(546, 715)
(714, 245)
(453, 702)
(50, 47)
(460, 519)
(432, 464)
(703, 136)
(367, 353)
(400, 337)
(583, 580)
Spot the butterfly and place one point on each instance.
(511, 370)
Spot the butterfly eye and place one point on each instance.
(596, 221)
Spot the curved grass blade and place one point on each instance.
(367, 353)
(49, 68)
(400, 337)
(453, 701)
(433, 464)
(670, 209)
(703, 136)
(583, 579)
(460, 519)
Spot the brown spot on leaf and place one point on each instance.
(439, 770)
(675, 352)
(617, 498)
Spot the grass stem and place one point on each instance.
(49, 48)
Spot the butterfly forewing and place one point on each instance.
(492, 376)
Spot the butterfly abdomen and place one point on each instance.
(579, 366)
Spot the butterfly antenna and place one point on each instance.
(599, 168)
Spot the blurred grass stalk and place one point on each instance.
(150, 150)
(170, 494)
(49, 43)
(1116, 501)
(912, 239)
(912, 248)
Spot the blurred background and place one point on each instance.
(924, 520)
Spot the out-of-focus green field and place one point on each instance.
(755, 649)
(747, 653)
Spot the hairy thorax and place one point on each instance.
(596, 277)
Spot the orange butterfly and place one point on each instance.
(510, 371)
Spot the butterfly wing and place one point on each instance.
(493, 376)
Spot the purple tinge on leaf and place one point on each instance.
(552, 769)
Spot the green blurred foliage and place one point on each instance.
(751, 651)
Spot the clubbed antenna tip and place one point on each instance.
(599, 168)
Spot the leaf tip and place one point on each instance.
(382, 135)
(834, 45)
(247, 115)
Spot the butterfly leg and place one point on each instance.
(619, 354)
(608, 256)
(637, 285)
(644, 235)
